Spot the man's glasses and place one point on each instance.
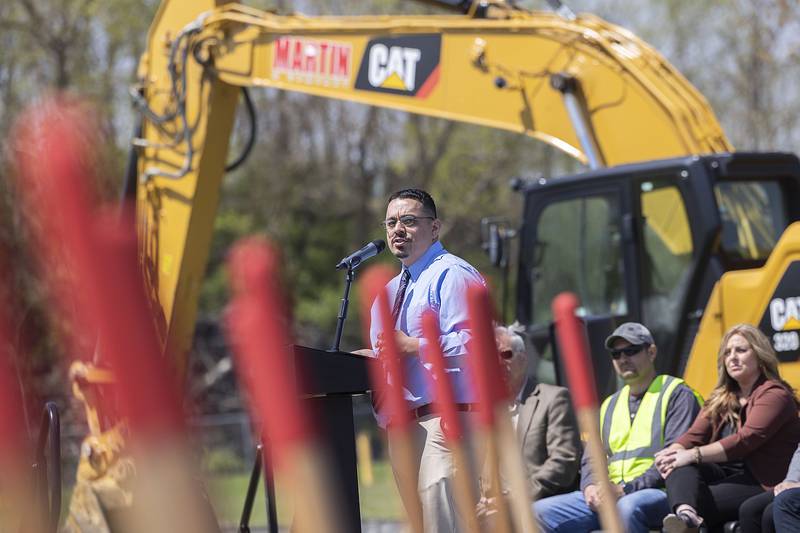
(629, 351)
(409, 221)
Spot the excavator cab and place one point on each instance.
(643, 242)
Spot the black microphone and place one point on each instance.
(356, 258)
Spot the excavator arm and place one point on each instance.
(587, 87)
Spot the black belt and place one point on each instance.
(427, 409)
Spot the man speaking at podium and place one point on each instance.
(430, 278)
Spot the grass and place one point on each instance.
(380, 501)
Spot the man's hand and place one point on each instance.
(408, 346)
(365, 352)
(405, 344)
(592, 496)
(785, 485)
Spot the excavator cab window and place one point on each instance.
(578, 248)
(573, 240)
(753, 217)
(666, 253)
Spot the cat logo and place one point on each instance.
(394, 68)
(781, 321)
(784, 313)
(406, 65)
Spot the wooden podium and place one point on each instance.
(328, 380)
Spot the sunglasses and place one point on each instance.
(628, 351)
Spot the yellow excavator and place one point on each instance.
(669, 226)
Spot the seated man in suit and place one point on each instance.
(545, 424)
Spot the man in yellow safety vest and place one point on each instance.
(647, 414)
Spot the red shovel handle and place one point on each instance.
(572, 341)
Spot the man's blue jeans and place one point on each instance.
(786, 511)
(640, 511)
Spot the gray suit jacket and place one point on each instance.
(549, 439)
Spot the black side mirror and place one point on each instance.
(494, 235)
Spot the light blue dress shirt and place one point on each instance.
(439, 281)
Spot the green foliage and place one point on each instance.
(222, 461)
(379, 501)
(228, 226)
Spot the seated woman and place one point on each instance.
(741, 442)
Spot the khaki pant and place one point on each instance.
(437, 471)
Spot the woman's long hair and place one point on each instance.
(723, 403)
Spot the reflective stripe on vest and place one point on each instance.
(631, 446)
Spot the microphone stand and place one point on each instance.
(343, 307)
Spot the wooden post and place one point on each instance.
(572, 341)
(100, 253)
(388, 379)
(494, 397)
(259, 328)
(445, 405)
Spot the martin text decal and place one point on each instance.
(406, 65)
(312, 61)
(781, 321)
